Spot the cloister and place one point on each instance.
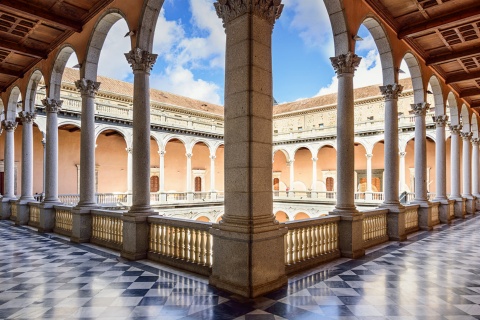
(97, 159)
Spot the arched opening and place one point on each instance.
(203, 219)
(175, 166)
(326, 169)
(69, 159)
(201, 167)
(281, 172)
(301, 216)
(281, 217)
(111, 162)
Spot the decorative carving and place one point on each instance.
(345, 63)
(466, 136)
(189, 155)
(52, 105)
(290, 162)
(391, 91)
(9, 125)
(369, 155)
(268, 10)
(129, 150)
(420, 109)
(314, 159)
(213, 157)
(455, 129)
(162, 153)
(475, 142)
(87, 87)
(27, 117)
(141, 60)
(402, 154)
(440, 121)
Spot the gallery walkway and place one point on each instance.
(434, 275)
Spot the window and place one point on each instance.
(154, 184)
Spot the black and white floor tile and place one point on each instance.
(433, 275)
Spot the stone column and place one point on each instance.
(425, 209)
(475, 171)
(314, 177)
(213, 192)
(44, 143)
(467, 173)
(9, 167)
(189, 177)
(248, 228)
(441, 169)
(350, 227)
(135, 226)
(47, 210)
(291, 189)
(402, 155)
(23, 212)
(129, 175)
(368, 191)
(163, 195)
(460, 202)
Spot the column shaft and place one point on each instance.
(475, 171)
(129, 170)
(52, 107)
(455, 161)
(291, 165)
(402, 171)
(369, 172)
(27, 155)
(212, 173)
(467, 169)
(420, 110)
(9, 161)
(314, 174)
(440, 158)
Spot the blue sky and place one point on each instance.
(190, 43)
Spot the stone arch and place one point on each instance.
(416, 76)
(31, 93)
(175, 137)
(147, 23)
(203, 218)
(368, 148)
(432, 136)
(12, 106)
(102, 27)
(465, 115)
(285, 152)
(384, 49)
(281, 216)
(301, 215)
(474, 127)
(437, 95)
(310, 148)
(216, 146)
(57, 71)
(66, 122)
(101, 129)
(327, 144)
(341, 36)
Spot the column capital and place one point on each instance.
(9, 125)
(466, 135)
(268, 10)
(87, 87)
(402, 154)
(213, 157)
(475, 141)
(440, 121)
(391, 91)
(188, 155)
(27, 116)
(290, 162)
(455, 129)
(369, 155)
(52, 105)
(345, 63)
(162, 152)
(314, 159)
(420, 109)
(141, 60)
(129, 150)
(44, 142)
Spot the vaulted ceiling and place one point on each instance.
(31, 29)
(445, 34)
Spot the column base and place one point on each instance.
(350, 234)
(81, 225)
(446, 210)
(249, 265)
(47, 216)
(135, 235)
(460, 207)
(424, 215)
(23, 212)
(5, 208)
(470, 203)
(395, 221)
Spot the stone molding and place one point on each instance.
(315, 159)
(213, 157)
(87, 87)
(466, 136)
(440, 121)
(141, 60)
(9, 125)
(129, 150)
(420, 109)
(345, 63)
(188, 155)
(162, 153)
(391, 91)
(268, 10)
(52, 105)
(27, 117)
(455, 129)
(402, 154)
(369, 155)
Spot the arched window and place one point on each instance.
(154, 184)
(276, 184)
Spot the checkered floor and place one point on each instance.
(434, 275)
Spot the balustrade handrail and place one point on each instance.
(298, 224)
(374, 212)
(177, 222)
(108, 213)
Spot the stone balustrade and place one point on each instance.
(63, 220)
(310, 242)
(374, 227)
(13, 210)
(411, 218)
(107, 229)
(435, 213)
(181, 243)
(34, 219)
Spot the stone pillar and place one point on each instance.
(402, 155)
(44, 143)
(47, 210)
(368, 191)
(213, 192)
(396, 214)
(135, 226)
(441, 169)
(129, 175)
(162, 175)
(248, 228)
(350, 227)
(23, 212)
(314, 177)
(425, 209)
(467, 173)
(9, 167)
(291, 164)
(460, 202)
(475, 171)
(189, 177)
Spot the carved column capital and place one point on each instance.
(129, 150)
(213, 157)
(369, 155)
(52, 105)
(420, 109)
(466, 136)
(475, 142)
(314, 159)
(345, 63)
(141, 60)
(440, 121)
(9, 125)
(162, 153)
(188, 155)
(455, 129)
(27, 117)
(402, 154)
(87, 87)
(268, 10)
(290, 162)
(391, 91)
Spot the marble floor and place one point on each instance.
(433, 275)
